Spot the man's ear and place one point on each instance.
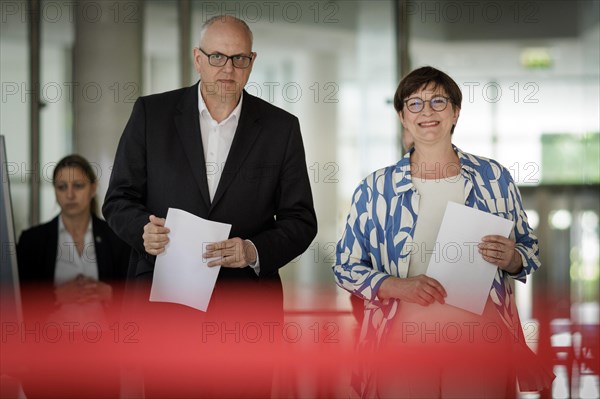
(197, 55)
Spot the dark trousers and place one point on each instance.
(228, 352)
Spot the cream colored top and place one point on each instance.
(438, 324)
(434, 196)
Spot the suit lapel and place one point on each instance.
(51, 245)
(246, 134)
(187, 123)
(103, 259)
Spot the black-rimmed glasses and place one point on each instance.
(218, 60)
(437, 103)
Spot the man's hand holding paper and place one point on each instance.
(181, 272)
(233, 252)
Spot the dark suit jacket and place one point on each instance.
(264, 191)
(36, 252)
(36, 259)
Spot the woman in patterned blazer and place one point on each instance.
(424, 347)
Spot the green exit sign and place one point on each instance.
(571, 159)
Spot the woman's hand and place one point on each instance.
(101, 291)
(501, 252)
(82, 290)
(420, 289)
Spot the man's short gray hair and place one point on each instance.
(214, 19)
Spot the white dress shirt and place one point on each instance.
(216, 143)
(69, 264)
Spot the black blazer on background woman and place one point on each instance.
(36, 252)
(36, 259)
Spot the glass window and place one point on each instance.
(57, 91)
(522, 79)
(161, 50)
(16, 94)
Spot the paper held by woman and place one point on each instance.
(455, 261)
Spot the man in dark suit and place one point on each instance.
(217, 152)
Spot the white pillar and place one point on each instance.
(107, 67)
(316, 73)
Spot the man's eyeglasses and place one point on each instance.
(416, 104)
(219, 60)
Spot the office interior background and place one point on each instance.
(529, 72)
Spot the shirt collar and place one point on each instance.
(205, 113)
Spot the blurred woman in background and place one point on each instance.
(66, 269)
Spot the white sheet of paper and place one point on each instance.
(181, 275)
(456, 262)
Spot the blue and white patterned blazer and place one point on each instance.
(377, 242)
